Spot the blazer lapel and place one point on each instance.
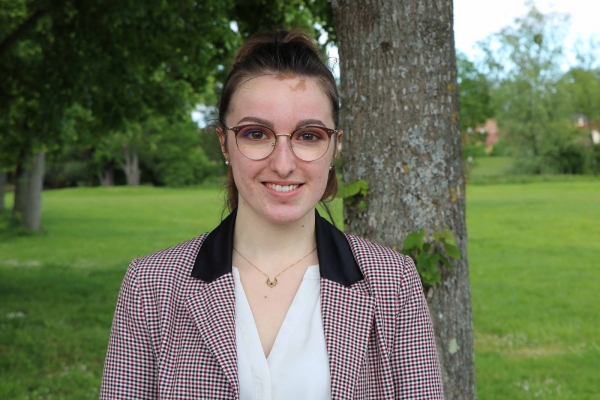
(212, 308)
(347, 321)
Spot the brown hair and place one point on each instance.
(288, 53)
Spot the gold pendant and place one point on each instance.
(273, 283)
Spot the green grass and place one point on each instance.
(107, 227)
(533, 251)
(500, 170)
(54, 325)
(489, 167)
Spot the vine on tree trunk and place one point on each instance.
(354, 193)
(427, 255)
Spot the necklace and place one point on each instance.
(273, 283)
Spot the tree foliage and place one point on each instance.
(534, 100)
(124, 62)
(474, 90)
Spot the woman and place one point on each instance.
(275, 303)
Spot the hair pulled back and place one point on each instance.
(286, 53)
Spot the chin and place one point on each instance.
(286, 215)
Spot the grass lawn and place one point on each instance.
(490, 167)
(107, 227)
(533, 250)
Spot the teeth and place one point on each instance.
(279, 188)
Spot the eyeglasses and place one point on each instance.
(308, 143)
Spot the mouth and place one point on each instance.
(281, 188)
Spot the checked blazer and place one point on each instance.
(173, 333)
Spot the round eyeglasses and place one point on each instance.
(308, 143)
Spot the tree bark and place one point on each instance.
(2, 190)
(131, 166)
(400, 118)
(32, 218)
(107, 177)
(21, 188)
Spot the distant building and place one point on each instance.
(582, 121)
(493, 137)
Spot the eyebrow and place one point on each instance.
(257, 120)
(269, 124)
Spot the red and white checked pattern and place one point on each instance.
(173, 336)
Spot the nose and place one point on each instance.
(283, 160)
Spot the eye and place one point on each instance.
(254, 133)
(311, 134)
(308, 136)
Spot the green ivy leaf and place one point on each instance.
(445, 261)
(452, 250)
(428, 255)
(353, 188)
(445, 236)
(414, 240)
(362, 205)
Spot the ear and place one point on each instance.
(338, 147)
(223, 141)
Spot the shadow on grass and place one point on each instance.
(54, 328)
(524, 179)
(12, 226)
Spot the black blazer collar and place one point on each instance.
(336, 261)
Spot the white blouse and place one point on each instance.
(298, 364)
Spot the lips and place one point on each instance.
(281, 188)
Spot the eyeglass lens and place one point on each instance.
(308, 143)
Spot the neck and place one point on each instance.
(271, 244)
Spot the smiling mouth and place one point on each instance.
(280, 188)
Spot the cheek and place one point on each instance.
(323, 177)
(243, 176)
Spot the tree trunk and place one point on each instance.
(131, 166)
(21, 188)
(107, 177)
(400, 118)
(2, 190)
(32, 218)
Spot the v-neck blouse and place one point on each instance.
(298, 364)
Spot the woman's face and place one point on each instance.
(280, 188)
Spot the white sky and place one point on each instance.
(476, 19)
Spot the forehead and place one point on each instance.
(278, 97)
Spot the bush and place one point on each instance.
(179, 167)
(502, 148)
(179, 158)
(69, 169)
(563, 149)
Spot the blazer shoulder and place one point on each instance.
(172, 262)
(380, 264)
(363, 248)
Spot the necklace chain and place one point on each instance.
(272, 283)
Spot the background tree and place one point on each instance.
(582, 86)
(475, 109)
(474, 91)
(401, 123)
(122, 61)
(525, 64)
(2, 190)
(116, 60)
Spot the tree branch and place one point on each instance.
(11, 39)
